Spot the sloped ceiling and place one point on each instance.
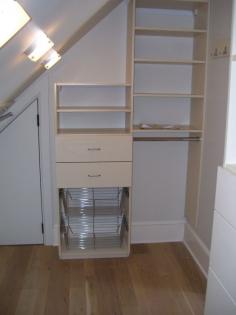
(59, 19)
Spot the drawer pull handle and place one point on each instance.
(94, 176)
(94, 149)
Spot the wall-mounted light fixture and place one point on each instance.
(12, 18)
(52, 59)
(40, 46)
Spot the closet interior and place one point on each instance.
(169, 80)
(162, 99)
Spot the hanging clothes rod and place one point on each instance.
(146, 139)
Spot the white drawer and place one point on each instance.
(91, 148)
(223, 253)
(114, 174)
(225, 195)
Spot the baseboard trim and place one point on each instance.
(197, 249)
(55, 235)
(157, 232)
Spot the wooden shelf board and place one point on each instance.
(104, 109)
(174, 62)
(170, 4)
(117, 131)
(175, 95)
(161, 128)
(168, 32)
(58, 84)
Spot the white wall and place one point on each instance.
(159, 168)
(230, 157)
(40, 90)
(98, 57)
(59, 19)
(198, 237)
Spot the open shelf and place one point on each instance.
(116, 131)
(96, 109)
(93, 108)
(170, 4)
(175, 95)
(151, 31)
(93, 84)
(166, 128)
(168, 62)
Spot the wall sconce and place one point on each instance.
(40, 47)
(12, 18)
(52, 59)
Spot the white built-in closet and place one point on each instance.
(160, 105)
(169, 99)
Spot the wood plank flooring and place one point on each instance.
(157, 279)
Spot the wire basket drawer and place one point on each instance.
(93, 217)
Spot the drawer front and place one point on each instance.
(73, 175)
(90, 148)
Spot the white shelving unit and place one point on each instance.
(94, 158)
(95, 122)
(169, 60)
(93, 108)
(93, 128)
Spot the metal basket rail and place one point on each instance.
(93, 217)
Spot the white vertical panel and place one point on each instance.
(20, 194)
(214, 142)
(226, 195)
(159, 179)
(223, 253)
(218, 301)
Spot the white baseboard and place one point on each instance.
(55, 235)
(197, 249)
(157, 232)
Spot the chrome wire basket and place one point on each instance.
(92, 217)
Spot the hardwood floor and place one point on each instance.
(157, 279)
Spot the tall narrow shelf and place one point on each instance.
(169, 63)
